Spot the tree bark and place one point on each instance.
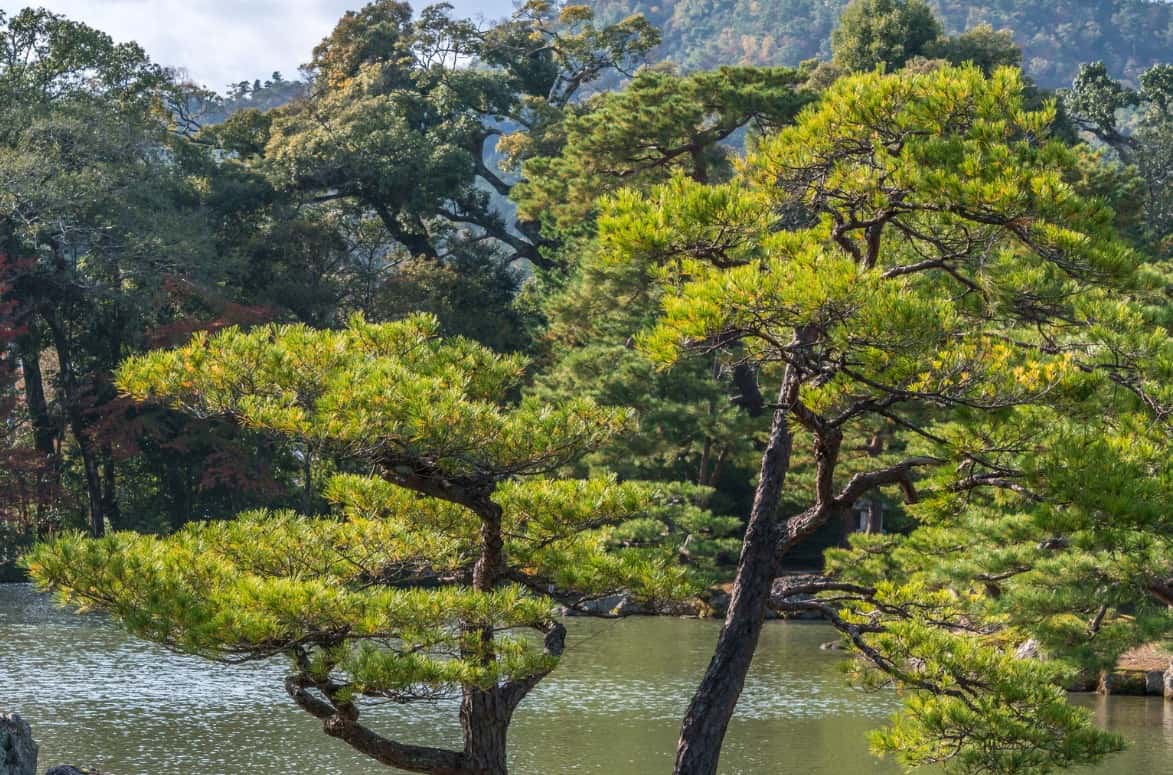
(77, 424)
(44, 434)
(485, 713)
(109, 488)
(484, 718)
(707, 718)
(93, 483)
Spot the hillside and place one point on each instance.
(1056, 35)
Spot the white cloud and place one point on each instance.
(221, 41)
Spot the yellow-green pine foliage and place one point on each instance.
(390, 595)
(914, 250)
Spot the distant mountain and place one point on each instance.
(1056, 35)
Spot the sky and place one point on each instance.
(219, 42)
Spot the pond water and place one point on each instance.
(96, 696)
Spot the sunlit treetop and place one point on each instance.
(912, 262)
(393, 393)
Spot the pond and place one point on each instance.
(98, 697)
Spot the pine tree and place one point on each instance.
(959, 300)
(438, 572)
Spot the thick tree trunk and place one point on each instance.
(44, 434)
(485, 714)
(485, 717)
(707, 718)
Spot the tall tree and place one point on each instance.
(660, 124)
(1137, 125)
(90, 195)
(954, 292)
(398, 122)
(891, 32)
(439, 563)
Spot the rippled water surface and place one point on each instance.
(96, 696)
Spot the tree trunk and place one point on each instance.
(485, 717)
(109, 488)
(44, 434)
(707, 718)
(77, 424)
(93, 483)
(485, 714)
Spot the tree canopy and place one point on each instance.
(1056, 35)
(958, 297)
(435, 565)
(478, 323)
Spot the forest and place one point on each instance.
(1056, 36)
(856, 311)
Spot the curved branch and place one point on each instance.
(343, 724)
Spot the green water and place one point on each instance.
(98, 697)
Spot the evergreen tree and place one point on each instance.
(397, 123)
(439, 565)
(959, 297)
(889, 32)
(658, 124)
(1137, 125)
(110, 226)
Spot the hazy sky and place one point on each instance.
(222, 41)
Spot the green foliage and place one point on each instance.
(983, 46)
(887, 32)
(398, 125)
(433, 574)
(942, 284)
(1057, 36)
(373, 390)
(1137, 125)
(112, 234)
(1021, 723)
(954, 295)
(658, 124)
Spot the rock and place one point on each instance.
(832, 645)
(1154, 682)
(1083, 682)
(1123, 682)
(1028, 650)
(67, 770)
(611, 605)
(18, 752)
(718, 603)
(628, 607)
(1168, 688)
